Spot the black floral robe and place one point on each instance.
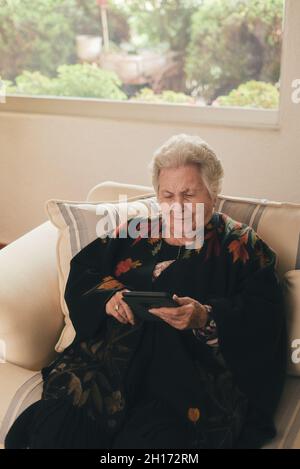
(224, 396)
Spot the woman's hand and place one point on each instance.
(190, 314)
(123, 313)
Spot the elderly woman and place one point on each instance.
(209, 374)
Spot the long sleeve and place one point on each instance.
(208, 333)
(89, 286)
(251, 328)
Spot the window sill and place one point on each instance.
(147, 112)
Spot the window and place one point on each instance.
(212, 53)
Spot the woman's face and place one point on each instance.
(183, 185)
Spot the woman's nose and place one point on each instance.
(177, 208)
(179, 201)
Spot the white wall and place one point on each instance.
(44, 156)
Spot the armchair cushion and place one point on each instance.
(19, 389)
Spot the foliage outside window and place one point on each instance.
(190, 52)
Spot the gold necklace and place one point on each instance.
(179, 248)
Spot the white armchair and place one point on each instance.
(31, 318)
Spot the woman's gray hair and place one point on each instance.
(183, 149)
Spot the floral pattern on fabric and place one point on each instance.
(125, 265)
(106, 283)
(246, 240)
(89, 373)
(160, 267)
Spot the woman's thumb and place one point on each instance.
(181, 300)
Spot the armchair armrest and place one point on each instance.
(30, 314)
(291, 284)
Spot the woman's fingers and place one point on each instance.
(119, 318)
(170, 312)
(177, 317)
(123, 313)
(127, 311)
(124, 309)
(182, 300)
(123, 306)
(119, 313)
